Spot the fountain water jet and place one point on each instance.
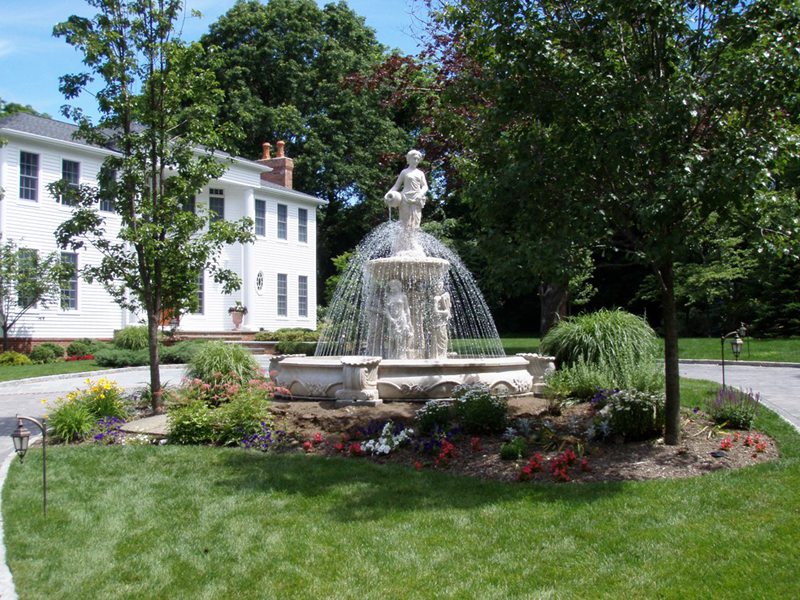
(407, 321)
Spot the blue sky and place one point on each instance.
(31, 60)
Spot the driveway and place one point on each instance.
(779, 387)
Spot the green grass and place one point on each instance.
(778, 350)
(157, 522)
(9, 373)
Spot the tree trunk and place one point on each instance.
(155, 375)
(672, 408)
(5, 338)
(553, 302)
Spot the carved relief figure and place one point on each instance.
(399, 334)
(442, 310)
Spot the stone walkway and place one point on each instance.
(156, 425)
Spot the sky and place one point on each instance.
(32, 60)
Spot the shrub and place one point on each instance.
(631, 414)
(297, 347)
(218, 362)
(119, 357)
(478, 411)
(434, 416)
(582, 380)
(734, 407)
(181, 353)
(288, 334)
(605, 337)
(56, 349)
(513, 450)
(14, 358)
(242, 416)
(79, 348)
(133, 337)
(191, 424)
(71, 420)
(42, 354)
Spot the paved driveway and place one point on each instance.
(779, 386)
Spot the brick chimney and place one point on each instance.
(282, 166)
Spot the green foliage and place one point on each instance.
(103, 398)
(132, 337)
(302, 73)
(42, 354)
(191, 424)
(242, 416)
(218, 362)
(604, 337)
(288, 334)
(513, 450)
(118, 357)
(181, 353)
(602, 350)
(79, 348)
(71, 421)
(296, 348)
(14, 358)
(479, 411)
(435, 416)
(159, 102)
(630, 414)
(26, 280)
(734, 407)
(56, 349)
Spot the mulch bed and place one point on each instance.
(698, 452)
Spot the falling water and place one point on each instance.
(354, 322)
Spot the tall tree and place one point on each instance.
(286, 66)
(637, 121)
(158, 107)
(26, 281)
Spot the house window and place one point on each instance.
(302, 225)
(190, 205)
(27, 264)
(283, 222)
(69, 290)
(261, 217)
(109, 188)
(201, 294)
(302, 296)
(282, 295)
(216, 204)
(71, 175)
(28, 176)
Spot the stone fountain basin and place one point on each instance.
(324, 378)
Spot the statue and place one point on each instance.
(409, 202)
(400, 334)
(442, 309)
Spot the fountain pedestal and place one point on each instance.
(360, 381)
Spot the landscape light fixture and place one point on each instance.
(736, 346)
(21, 437)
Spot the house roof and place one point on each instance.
(66, 132)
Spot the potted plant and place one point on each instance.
(237, 313)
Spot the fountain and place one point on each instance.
(407, 321)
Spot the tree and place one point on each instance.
(639, 122)
(26, 281)
(12, 108)
(158, 107)
(288, 68)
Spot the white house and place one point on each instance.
(278, 270)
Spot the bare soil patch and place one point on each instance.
(700, 450)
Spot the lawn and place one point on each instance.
(778, 350)
(157, 522)
(8, 372)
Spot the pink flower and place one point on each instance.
(317, 439)
(308, 446)
(726, 444)
(339, 447)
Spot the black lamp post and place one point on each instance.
(21, 437)
(736, 346)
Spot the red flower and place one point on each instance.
(761, 447)
(317, 439)
(356, 449)
(339, 447)
(418, 465)
(585, 465)
(308, 446)
(736, 436)
(726, 444)
(525, 474)
(535, 462)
